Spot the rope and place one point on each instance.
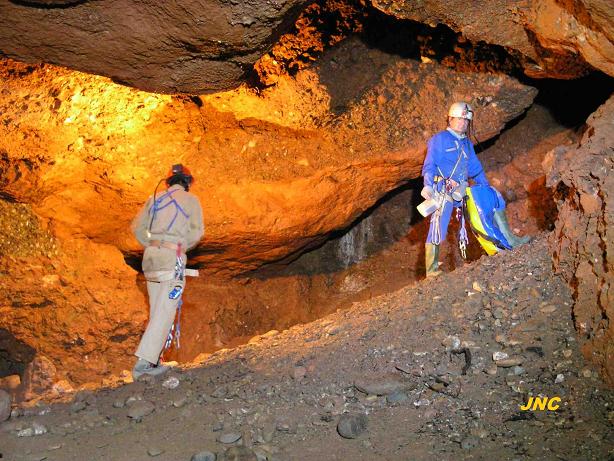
(176, 293)
(463, 238)
(175, 331)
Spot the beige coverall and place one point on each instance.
(180, 220)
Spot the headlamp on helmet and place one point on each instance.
(179, 174)
(461, 110)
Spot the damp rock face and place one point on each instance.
(583, 241)
(555, 39)
(191, 47)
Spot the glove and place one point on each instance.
(427, 192)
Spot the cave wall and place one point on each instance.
(583, 240)
(556, 39)
(269, 186)
(278, 169)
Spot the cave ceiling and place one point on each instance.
(555, 39)
(189, 46)
(198, 47)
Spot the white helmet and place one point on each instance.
(461, 110)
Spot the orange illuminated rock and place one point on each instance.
(86, 153)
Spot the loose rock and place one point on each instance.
(204, 456)
(470, 442)
(154, 451)
(35, 429)
(451, 342)
(396, 397)
(299, 373)
(496, 356)
(240, 454)
(171, 383)
(508, 363)
(5, 405)
(381, 387)
(351, 426)
(229, 437)
(140, 409)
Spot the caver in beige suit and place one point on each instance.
(177, 226)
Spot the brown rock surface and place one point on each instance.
(191, 46)
(200, 47)
(583, 241)
(249, 391)
(276, 172)
(270, 185)
(556, 39)
(80, 308)
(5, 405)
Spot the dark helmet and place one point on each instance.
(178, 174)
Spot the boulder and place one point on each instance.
(190, 46)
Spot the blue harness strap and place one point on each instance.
(156, 207)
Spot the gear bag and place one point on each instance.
(479, 207)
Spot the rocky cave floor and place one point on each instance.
(397, 358)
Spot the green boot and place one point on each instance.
(431, 257)
(504, 227)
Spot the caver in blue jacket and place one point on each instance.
(449, 156)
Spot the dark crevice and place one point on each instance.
(14, 354)
(302, 262)
(571, 102)
(49, 4)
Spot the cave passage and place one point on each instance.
(79, 154)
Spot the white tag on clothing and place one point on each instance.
(191, 272)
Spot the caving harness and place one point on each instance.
(159, 205)
(179, 273)
(175, 331)
(452, 193)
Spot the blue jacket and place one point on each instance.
(442, 153)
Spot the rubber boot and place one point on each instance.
(143, 367)
(504, 227)
(431, 258)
